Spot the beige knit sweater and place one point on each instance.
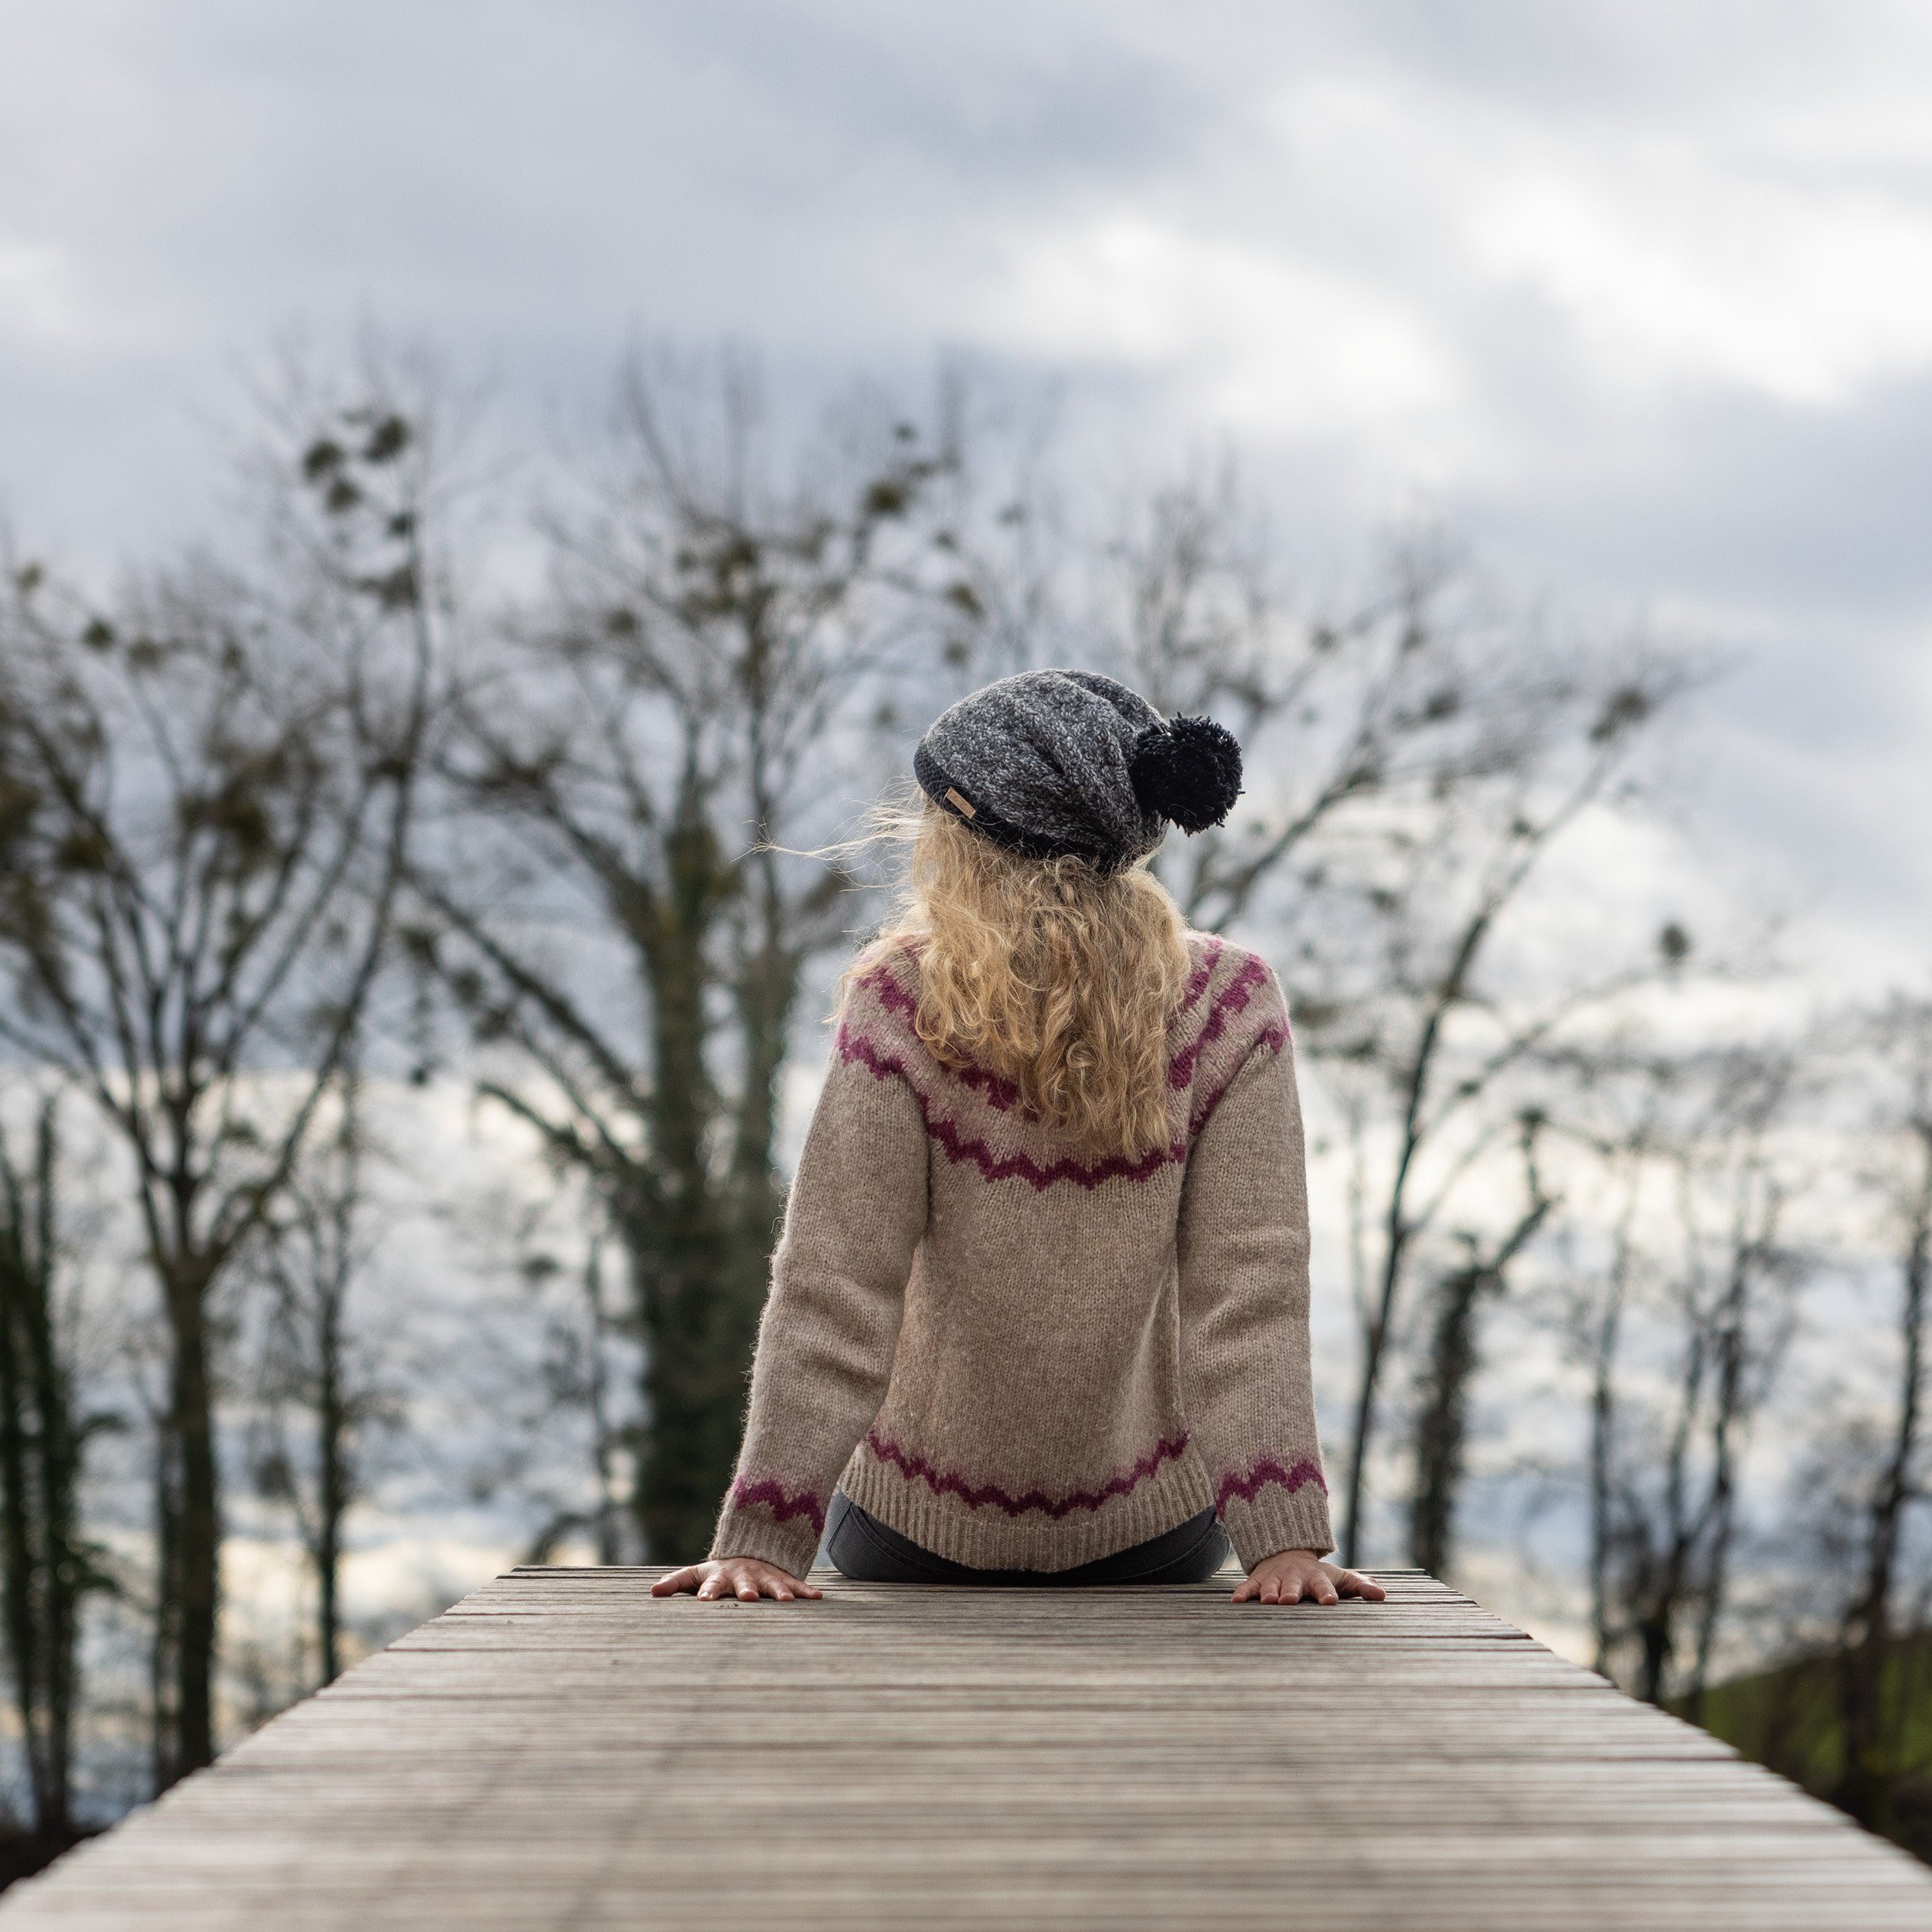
(1023, 1357)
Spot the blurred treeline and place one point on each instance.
(438, 773)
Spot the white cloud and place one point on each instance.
(39, 294)
(1673, 270)
(1272, 340)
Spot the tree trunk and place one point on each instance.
(195, 1571)
(46, 1575)
(1721, 1507)
(598, 1333)
(18, 1488)
(693, 1403)
(332, 1489)
(165, 1636)
(694, 1357)
(1603, 1432)
(766, 995)
(65, 1574)
(1656, 1636)
(1375, 1342)
(1442, 1427)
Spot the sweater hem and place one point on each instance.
(745, 1532)
(1273, 1520)
(986, 1536)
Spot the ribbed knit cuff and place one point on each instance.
(1276, 1519)
(750, 1532)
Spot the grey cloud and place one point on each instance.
(848, 183)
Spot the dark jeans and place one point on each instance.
(870, 1552)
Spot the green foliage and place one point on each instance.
(1789, 1719)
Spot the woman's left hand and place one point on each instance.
(1290, 1575)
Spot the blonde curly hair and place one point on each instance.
(1048, 972)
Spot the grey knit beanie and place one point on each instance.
(1055, 763)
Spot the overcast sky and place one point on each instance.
(1639, 294)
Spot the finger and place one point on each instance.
(1271, 1591)
(746, 1587)
(713, 1586)
(677, 1580)
(779, 1590)
(1353, 1583)
(1291, 1590)
(810, 1589)
(1325, 1591)
(1245, 1588)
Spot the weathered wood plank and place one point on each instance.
(561, 1749)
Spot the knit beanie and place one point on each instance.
(1057, 763)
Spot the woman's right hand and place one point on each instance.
(744, 1578)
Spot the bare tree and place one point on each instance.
(1894, 1481)
(208, 798)
(47, 1565)
(1624, 1151)
(579, 1374)
(323, 1391)
(1401, 700)
(606, 1433)
(1441, 1431)
(1430, 1039)
(1667, 1469)
(677, 709)
(1413, 763)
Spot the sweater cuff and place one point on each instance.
(1275, 1518)
(752, 1532)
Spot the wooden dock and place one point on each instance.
(561, 1750)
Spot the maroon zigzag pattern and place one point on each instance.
(1267, 1470)
(1274, 1037)
(890, 993)
(963, 1147)
(770, 1492)
(1197, 981)
(1001, 1094)
(977, 1496)
(1019, 1165)
(894, 994)
(1234, 996)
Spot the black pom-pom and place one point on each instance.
(1186, 770)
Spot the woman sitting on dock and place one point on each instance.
(1038, 1309)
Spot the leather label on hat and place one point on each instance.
(966, 810)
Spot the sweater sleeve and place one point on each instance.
(853, 1219)
(1243, 1250)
